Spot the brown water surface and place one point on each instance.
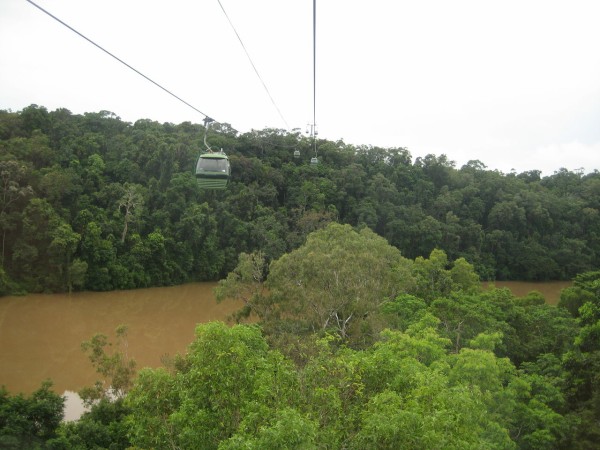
(41, 335)
(549, 289)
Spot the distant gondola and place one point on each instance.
(213, 170)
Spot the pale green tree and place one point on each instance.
(115, 365)
(338, 280)
(246, 283)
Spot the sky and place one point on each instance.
(514, 84)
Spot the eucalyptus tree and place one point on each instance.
(130, 205)
(337, 281)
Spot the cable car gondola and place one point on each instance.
(212, 169)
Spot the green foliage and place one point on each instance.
(46, 250)
(403, 311)
(14, 192)
(230, 382)
(542, 329)
(287, 429)
(104, 426)
(136, 180)
(375, 350)
(246, 283)
(435, 278)
(117, 368)
(152, 401)
(29, 422)
(337, 281)
(408, 390)
(463, 317)
(573, 298)
(583, 363)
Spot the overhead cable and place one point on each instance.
(115, 57)
(315, 75)
(253, 66)
(314, 62)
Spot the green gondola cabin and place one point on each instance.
(213, 170)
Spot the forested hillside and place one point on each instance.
(90, 202)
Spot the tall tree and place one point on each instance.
(338, 280)
(130, 205)
(13, 189)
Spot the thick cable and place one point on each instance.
(115, 57)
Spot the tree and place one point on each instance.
(44, 252)
(269, 233)
(117, 368)
(412, 401)
(103, 426)
(228, 382)
(130, 204)
(197, 247)
(61, 249)
(337, 281)
(60, 187)
(94, 170)
(462, 317)
(246, 283)
(539, 329)
(433, 277)
(288, 428)
(12, 174)
(99, 253)
(585, 289)
(464, 277)
(403, 311)
(29, 422)
(96, 167)
(583, 363)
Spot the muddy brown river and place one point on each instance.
(549, 289)
(40, 335)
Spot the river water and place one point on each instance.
(41, 335)
(549, 289)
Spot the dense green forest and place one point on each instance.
(360, 277)
(352, 346)
(90, 202)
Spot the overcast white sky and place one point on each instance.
(513, 83)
